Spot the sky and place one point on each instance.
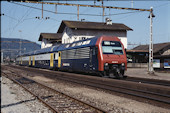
(19, 19)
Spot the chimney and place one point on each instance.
(108, 21)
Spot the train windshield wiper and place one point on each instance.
(113, 51)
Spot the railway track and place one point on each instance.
(57, 101)
(156, 93)
(148, 81)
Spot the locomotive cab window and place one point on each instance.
(112, 47)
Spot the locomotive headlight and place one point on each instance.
(123, 64)
(106, 64)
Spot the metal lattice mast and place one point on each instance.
(151, 70)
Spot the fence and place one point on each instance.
(137, 65)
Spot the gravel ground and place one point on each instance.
(105, 100)
(16, 100)
(143, 73)
(109, 102)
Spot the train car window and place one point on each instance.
(112, 47)
(59, 54)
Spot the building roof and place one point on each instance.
(137, 51)
(50, 36)
(91, 26)
(157, 48)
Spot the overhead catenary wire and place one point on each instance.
(20, 21)
(72, 13)
(11, 17)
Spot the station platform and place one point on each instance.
(143, 73)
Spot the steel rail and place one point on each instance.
(144, 80)
(100, 85)
(109, 87)
(76, 100)
(39, 98)
(94, 84)
(148, 81)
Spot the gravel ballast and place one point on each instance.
(14, 99)
(97, 97)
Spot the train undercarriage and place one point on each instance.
(114, 70)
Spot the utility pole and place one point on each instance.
(103, 12)
(42, 9)
(151, 70)
(78, 12)
(20, 43)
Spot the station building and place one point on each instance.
(70, 31)
(161, 55)
(79, 30)
(49, 39)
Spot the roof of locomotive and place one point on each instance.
(79, 44)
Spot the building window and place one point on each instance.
(83, 38)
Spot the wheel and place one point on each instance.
(103, 74)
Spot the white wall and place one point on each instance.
(45, 43)
(70, 35)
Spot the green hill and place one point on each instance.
(11, 47)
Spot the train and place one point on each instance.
(102, 55)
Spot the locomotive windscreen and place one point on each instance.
(112, 47)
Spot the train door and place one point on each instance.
(33, 63)
(51, 59)
(59, 59)
(29, 60)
